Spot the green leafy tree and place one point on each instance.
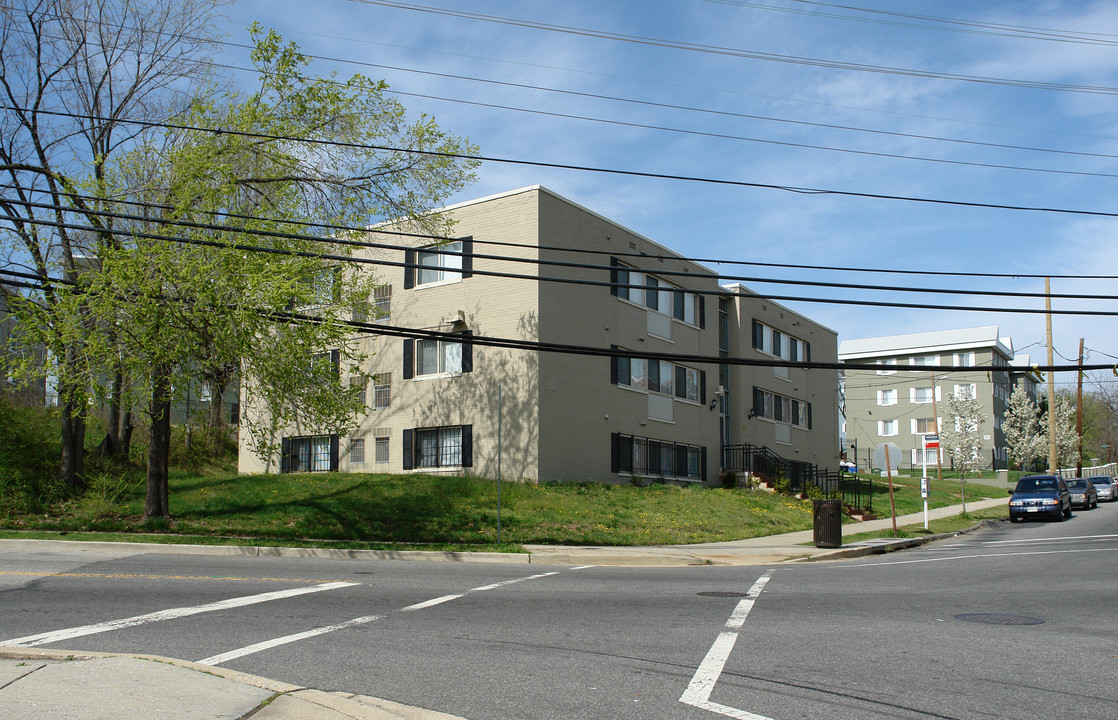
(216, 269)
(75, 78)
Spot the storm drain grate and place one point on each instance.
(999, 619)
(723, 593)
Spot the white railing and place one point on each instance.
(1110, 470)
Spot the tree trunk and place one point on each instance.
(217, 425)
(126, 428)
(111, 444)
(73, 446)
(217, 405)
(156, 501)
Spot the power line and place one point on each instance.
(746, 54)
(587, 168)
(567, 348)
(1020, 32)
(335, 228)
(478, 271)
(764, 141)
(708, 111)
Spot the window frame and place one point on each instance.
(434, 257)
(439, 447)
(357, 451)
(309, 453)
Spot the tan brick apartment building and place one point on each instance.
(433, 402)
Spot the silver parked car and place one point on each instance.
(1106, 487)
(1083, 493)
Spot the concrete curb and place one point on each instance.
(268, 551)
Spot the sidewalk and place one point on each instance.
(38, 684)
(60, 685)
(772, 549)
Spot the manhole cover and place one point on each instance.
(723, 593)
(999, 619)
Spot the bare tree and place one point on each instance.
(80, 82)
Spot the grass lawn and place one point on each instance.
(935, 527)
(432, 512)
(941, 493)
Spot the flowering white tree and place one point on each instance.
(960, 436)
(1067, 439)
(1024, 435)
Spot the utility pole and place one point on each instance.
(1051, 379)
(1079, 414)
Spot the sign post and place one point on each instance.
(931, 442)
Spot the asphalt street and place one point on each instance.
(1011, 621)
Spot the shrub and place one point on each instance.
(30, 446)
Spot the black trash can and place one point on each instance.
(827, 523)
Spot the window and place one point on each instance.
(684, 307)
(919, 454)
(967, 390)
(655, 294)
(886, 428)
(688, 383)
(438, 356)
(309, 454)
(661, 377)
(434, 357)
(645, 457)
(779, 408)
(801, 414)
(320, 288)
(658, 376)
(924, 360)
(380, 453)
(779, 344)
(382, 391)
(924, 426)
(441, 264)
(887, 397)
(438, 264)
(923, 394)
(438, 447)
(357, 451)
(891, 362)
(964, 359)
(382, 303)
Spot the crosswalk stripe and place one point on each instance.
(170, 614)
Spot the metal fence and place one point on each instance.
(759, 461)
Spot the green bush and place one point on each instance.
(30, 446)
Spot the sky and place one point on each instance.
(944, 132)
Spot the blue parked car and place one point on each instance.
(1040, 496)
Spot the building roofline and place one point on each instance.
(542, 189)
(985, 336)
(732, 289)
